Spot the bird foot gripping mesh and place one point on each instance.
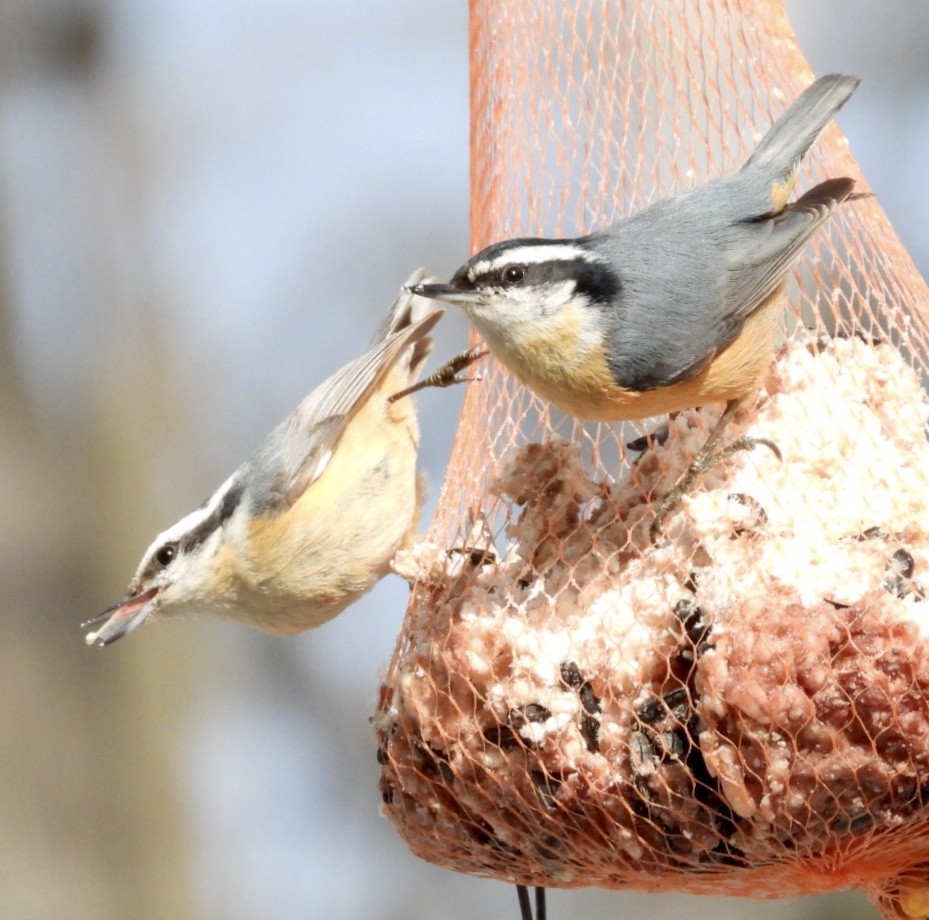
(743, 706)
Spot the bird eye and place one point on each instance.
(513, 274)
(166, 554)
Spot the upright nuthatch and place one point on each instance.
(313, 518)
(671, 308)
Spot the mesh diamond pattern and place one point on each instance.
(742, 707)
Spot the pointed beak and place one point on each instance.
(447, 293)
(121, 618)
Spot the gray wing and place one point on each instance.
(773, 244)
(699, 274)
(298, 450)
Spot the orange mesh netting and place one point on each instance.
(741, 708)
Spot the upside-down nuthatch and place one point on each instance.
(671, 308)
(312, 519)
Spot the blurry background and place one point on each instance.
(205, 207)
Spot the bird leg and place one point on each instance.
(706, 459)
(447, 374)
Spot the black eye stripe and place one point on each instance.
(220, 515)
(188, 542)
(595, 279)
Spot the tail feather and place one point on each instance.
(299, 449)
(406, 310)
(409, 310)
(768, 255)
(792, 135)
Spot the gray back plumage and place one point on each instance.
(692, 268)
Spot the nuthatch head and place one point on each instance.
(670, 308)
(313, 518)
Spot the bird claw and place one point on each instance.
(656, 438)
(448, 374)
(705, 460)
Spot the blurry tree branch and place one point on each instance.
(89, 787)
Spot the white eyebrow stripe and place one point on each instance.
(533, 255)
